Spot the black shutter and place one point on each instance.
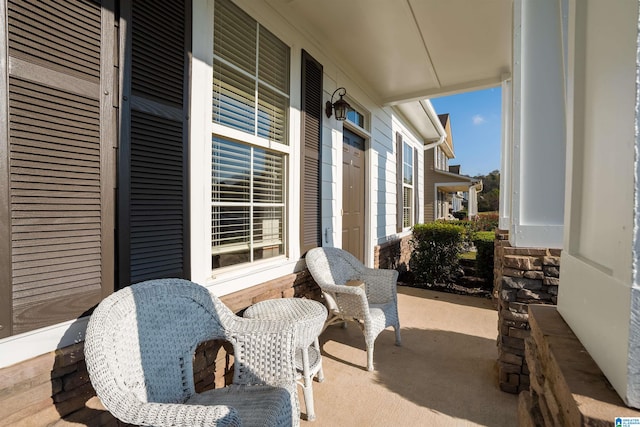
(399, 188)
(153, 222)
(57, 258)
(416, 188)
(310, 234)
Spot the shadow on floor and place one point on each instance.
(444, 373)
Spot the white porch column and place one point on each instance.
(505, 158)
(538, 161)
(599, 292)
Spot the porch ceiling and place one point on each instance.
(411, 49)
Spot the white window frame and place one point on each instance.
(253, 141)
(408, 208)
(202, 130)
(441, 159)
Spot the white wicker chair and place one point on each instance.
(139, 350)
(373, 306)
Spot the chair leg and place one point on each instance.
(370, 357)
(307, 386)
(398, 339)
(320, 374)
(308, 399)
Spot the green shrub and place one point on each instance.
(486, 221)
(483, 241)
(436, 247)
(460, 215)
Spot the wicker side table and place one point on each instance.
(309, 317)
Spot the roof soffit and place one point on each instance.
(411, 49)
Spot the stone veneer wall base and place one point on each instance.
(522, 276)
(567, 387)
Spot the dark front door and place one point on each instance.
(353, 194)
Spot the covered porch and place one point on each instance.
(444, 374)
(560, 81)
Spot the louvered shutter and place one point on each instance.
(153, 186)
(59, 159)
(310, 233)
(416, 188)
(399, 192)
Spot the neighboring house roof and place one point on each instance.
(447, 147)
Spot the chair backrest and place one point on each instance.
(333, 266)
(140, 340)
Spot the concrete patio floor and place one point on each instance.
(444, 374)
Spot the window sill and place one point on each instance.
(242, 276)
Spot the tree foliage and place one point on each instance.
(489, 198)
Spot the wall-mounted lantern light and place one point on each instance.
(341, 107)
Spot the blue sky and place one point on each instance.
(476, 128)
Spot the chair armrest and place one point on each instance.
(264, 351)
(381, 285)
(351, 300)
(171, 414)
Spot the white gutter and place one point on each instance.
(433, 116)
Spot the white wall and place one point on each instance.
(597, 278)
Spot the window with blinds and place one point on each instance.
(247, 193)
(407, 185)
(250, 75)
(250, 94)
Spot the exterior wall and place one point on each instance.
(522, 276)
(54, 386)
(380, 201)
(380, 163)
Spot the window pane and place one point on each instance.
(233, 98)
(355, 117)
(407, 207)
(234, 36)
(230, 235)
(407, 160)
(273, 62)
(230, 171)
(268, 177)
(267, 232)
(272, 114)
